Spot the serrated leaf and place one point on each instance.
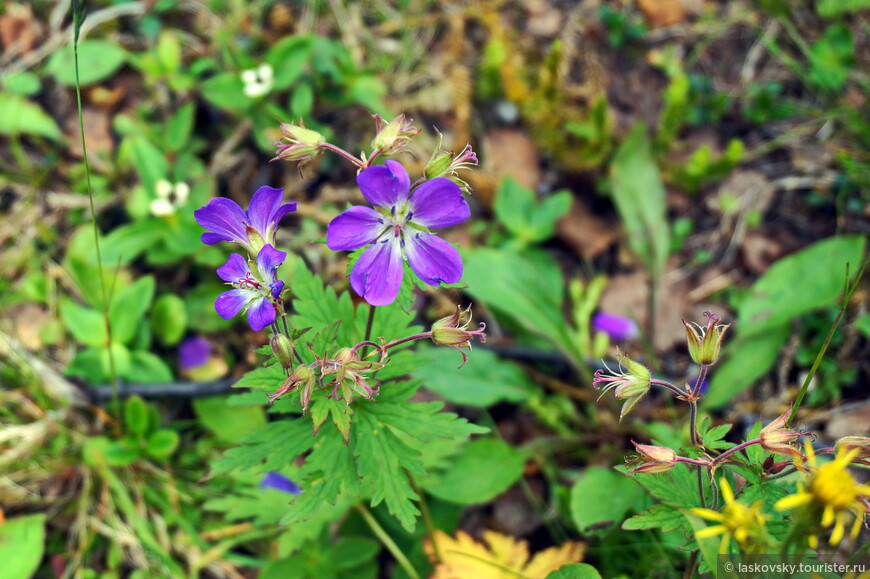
(639, 196)
(268, 378)
(341, 415)
(678, 486)
(712, 438)
(661, 516)
(269, 448)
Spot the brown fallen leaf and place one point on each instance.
(584, 232)
(662, 12)
(508, 153)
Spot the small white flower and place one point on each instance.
(169, 197)
(258, 81)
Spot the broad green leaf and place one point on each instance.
(832, 56)
(200, 307)
(162, 443)
(24, 83)
(129, 306)
(862, 324)
(368, 90)
(21, 116)
(127, 242)
(169, 319)
(228, 423)
(179, 127)
(226, 91)
(530, 220)
(527, 287)
(146, 368)
(601, 496)
(98, 60)
(116, 357)
(575, 571)
(88, 326)
(639, 196)
(302, 100)
(146, 158)
(288, 59)
(836, 8)
(22, 541)
(483, 470)
(137, 417)
(483, 381)
(800, 283)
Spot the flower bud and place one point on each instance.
(862, 443)
(301, 374)
(705, 343)
(298, 143)
(776, 438)
(453, 331)
(653, 458)
(395, 136)
(282, 348)
(438, 165)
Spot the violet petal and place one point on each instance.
(268, 261)
(384, 185)
(224, 218)
(261, 314)
(266, 210)
(193, 352)
(235, 269)
(230, 303)
(277, 287)
(355, 228)
(433, 260)
(617, 327)
(276, 480)
(439, 203)
(377, 275)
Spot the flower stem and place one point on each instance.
(344, 154)
(387, 541)
(427, 517)
(672, 387)
(370, 323)
(737, 448)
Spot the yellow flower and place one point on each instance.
(830, 495)
(745, 524)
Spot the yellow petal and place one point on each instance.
(837, 535)
(726, 491)
(711, 531)
(709, 514)
(792, 501)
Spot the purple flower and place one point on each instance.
(252, 229)
(398, 229)
(193, 352)
(277, 481)
(252, 290)
(617, 327)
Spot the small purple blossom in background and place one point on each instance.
(617, 327)
(251, 291)
(252, 229)
(705, 385)
(399, 229)
(277, 481)
(193, 352)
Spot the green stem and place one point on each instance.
(370, 323)
(387, 541)
(427, 517)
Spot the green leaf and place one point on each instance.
(147, 368)
(128, 308)
(129, 241)
(660, 516)
(746, 360)
(137, 417)
(862, 324)
(302, 100)
(341, 415)
(484, 381)
(531, 221)
(836, 8)
(678, 486)
(169, 319)
(800, 283)
(268, 378)
(162, 443)
(601, 496)
(527, 287)
(88, 326)
(288, 59)
(98, 60)
(575, 571)
(21, 116)
(483, 470)
(226, 91)
(24, 83)
(268, 448)
(712, 438)
(22, 541)
(228, 423)
(179, 128)
(639, 196)
(138, 152)
(831, 57)
(709, 546)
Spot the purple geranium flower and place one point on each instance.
(251, 291)
(193, 352)
(397, 229)
(617, 327)
(252, 229)
(276, 480)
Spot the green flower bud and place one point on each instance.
(282, 347)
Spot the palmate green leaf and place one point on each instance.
(270, 448)
(712, 436)
(341, 414)
(319, 515)
(639, 196)
(320, 307)
(678, 486)
(268, 378)
(661, 516)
